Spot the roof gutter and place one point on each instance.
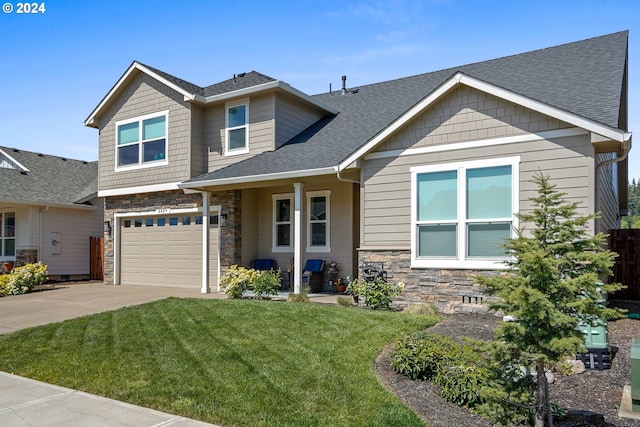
(247, 179)
(343, 179)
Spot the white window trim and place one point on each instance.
(227, 106)
(274, 236)
(327, 247)
(140, 164)
(460, 262)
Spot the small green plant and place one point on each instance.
(266, 283)
(236, 281)
(421, 308)
(377, 295)
(301, 297)
(467, 376)
(23, 279)
(345, 301)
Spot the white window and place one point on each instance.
(282, 223)
(318, 221)
(141, 141)
(8, 236)
(461, 213)
(237, 129)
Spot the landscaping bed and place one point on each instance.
(596, 391)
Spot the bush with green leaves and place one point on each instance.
(237, 280)
(23, 279)
(301, 297)
(377, 294)
(345, 301)
(266, 283)
(467, 377)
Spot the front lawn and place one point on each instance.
(230, 362)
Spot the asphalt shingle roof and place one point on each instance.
(50, 180)
(585, 78)
(238, 81)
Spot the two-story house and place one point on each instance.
(424, 174)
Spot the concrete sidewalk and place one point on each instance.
(26, 402)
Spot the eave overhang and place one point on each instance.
(135, 67)
(609, 133)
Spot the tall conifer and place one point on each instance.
(554, 283)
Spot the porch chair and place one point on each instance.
(312, 275)
(264, 264)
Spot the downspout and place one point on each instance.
(626, 147)
(41, 226)
(341, 178)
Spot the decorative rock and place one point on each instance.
(577, 366)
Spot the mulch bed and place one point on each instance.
(599, 392)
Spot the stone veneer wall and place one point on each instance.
(229, 201)
(26, 256)
(451, 291)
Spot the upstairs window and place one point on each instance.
(462, 213)
(142, 141)
(237, 129)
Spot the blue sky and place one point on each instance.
(56, 66)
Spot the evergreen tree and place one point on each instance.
(553, 284)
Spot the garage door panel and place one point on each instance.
(165, 256)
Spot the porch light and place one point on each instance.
(223, 220)
(107, 227)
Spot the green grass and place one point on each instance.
(230, 362)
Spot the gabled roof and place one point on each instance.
(242, 84)
(582, 82)
(46, 180)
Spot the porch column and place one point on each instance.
(297, 237)
(205, 243)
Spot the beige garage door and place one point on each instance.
(166, 251)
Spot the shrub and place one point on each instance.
(236, 281)
(421, 308)
(266, 283)
(345, 301)
(301, 297)
(4, 285)
(378, 294)
(500, 393)
(23, 279)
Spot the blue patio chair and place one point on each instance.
(312, 275)
(264, 264)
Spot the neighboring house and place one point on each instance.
(49, 209)
(424, 174)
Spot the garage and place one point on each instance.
(166, 250)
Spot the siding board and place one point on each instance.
(387, 190)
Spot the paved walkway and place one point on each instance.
(26, 402)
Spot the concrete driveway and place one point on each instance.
(68, 300)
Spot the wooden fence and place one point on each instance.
(626, 243)
(96, 258)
